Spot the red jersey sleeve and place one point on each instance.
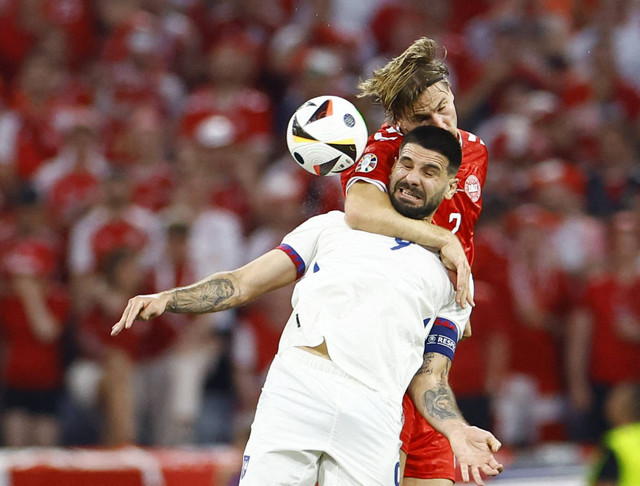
(377, 160)
(460, 213)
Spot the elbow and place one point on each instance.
(354, 217)
(354, 220)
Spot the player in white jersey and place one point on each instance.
(359, 335)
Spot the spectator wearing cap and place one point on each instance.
(217, 152)
(603, 343)
(69, 181)
(530, 403)
(578, 239)
(231, 89)
(35, 313)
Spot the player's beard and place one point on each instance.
(427, 209)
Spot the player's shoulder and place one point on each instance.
(472, 141)
(331, 218)
(387, 137)
(475, 157)
(388, 132)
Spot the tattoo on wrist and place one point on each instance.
(208, 296)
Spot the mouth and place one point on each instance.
(409, 196)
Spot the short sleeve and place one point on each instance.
(374, 167)
(448, 329)
(302, 243)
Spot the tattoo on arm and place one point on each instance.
(439, 401)
(210, 295)
(426, 368)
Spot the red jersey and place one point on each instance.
(429, 454)
(29, 363)
(612, 358)
(461, 212)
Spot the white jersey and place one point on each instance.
(372, 298)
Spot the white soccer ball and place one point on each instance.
(326, 135)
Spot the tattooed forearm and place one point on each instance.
(438, 400)
(426, 368)
(440, 403)
(210, 295)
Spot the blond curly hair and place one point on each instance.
(398, 84)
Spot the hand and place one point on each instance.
(143, 307)
(46, 329)
(453, 257)
(473, 448)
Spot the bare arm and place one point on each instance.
(579, 334)
(434, 399)
(367, 208)
(218, 292)
(43, 324)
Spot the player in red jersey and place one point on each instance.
(413, 90)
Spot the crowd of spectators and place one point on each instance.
(142, 147)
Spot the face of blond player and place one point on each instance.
(419, 181)
(435, 106)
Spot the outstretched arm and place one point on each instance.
(433, 397)
(367, 208)
(220, 291)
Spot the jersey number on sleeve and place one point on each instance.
(457, 217)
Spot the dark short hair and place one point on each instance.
(439, 140)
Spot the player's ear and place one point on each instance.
(452, 188)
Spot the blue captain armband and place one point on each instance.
(442, 339)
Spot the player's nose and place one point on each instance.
(413, 177)
(438, 121)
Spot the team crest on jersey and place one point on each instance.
(367, 163)
(473, 188)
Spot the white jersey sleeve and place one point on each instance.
(301, 245)
(448, 329)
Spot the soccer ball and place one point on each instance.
(326, 135)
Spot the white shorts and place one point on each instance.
(316, 423)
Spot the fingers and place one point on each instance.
(464, 469)
(130, 313)
(475, 472)
(463, 289)
(494, 444)
(495, 465)
(461, 296)
(492, 467)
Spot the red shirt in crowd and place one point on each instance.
(613, 359)
(29, 363)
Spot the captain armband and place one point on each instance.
(442, 339)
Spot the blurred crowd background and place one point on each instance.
(142, 147)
